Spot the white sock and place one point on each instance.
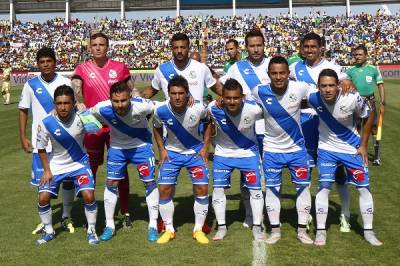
(344, 196)
(303, 205)
(91, 216)
(46, 216)
(167, 208)
(245, 194)
(273, 205)
(110, 200)
(67, 201)
(219, 204)
(366, 207)
(152, 198)
(200, 209)
(322, 207)
(257, 205)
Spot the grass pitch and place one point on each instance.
(18, 217)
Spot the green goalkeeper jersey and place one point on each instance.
(365, 78)
(294, 58)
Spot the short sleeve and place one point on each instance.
(42, 137)
(362, 108)
(378, 76)
(156, 81)
(26, 97)
(208, 78)
(125, 73)
(157, 123)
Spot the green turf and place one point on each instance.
(18, 217)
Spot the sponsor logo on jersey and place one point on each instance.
(301, 72)
(251, 176)
(192, 74)
(92, 75)
(39, 90)
(301, 172)
(268, 101)
(143, 169)
(246, 71)
(197, 172)
(112, 74)
(368, 79)
(82, 180)
(358, 174)
(57, 132)
(170, 122)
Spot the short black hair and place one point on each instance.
(312, 36)
(178, 81)
(46, 52)
(119, 87)
(327, 72)
(99, 35)
(253, 33)
(180, 37)
(64, 90)
(361, 47)
(278, 60)
(235, 43)
(232, 85)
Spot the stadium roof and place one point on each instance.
(44, 6)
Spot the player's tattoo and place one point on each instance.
(76, 84)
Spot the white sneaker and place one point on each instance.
(304, 238)
(273, 238)
(221, 233)
(258, 233)
(344, 224)
(370, 237)
(320, 238)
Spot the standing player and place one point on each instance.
(236, 147)
(6, 86)
(339, 143)
(37, 96)
(233, 52)
(130, 142)
(284, 145)
(197, 74)
(365, 77)
(68, 161)
(93, 80)
(308, 71)
(183, 148)
(250, 73)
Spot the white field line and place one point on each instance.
(259, 253)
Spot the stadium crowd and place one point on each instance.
(143, 44)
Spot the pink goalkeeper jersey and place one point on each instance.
(97, 81)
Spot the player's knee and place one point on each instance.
(68, 185)
(325, 185)
(44, 198)
(150, 187)
(165, 191)
(88, 196)
(274, 190)
(256, 194)
(300, 188)
(200, 190)
(112, 182)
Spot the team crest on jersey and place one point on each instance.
(368, 79)
(92, 75)
(292, 97)
(112, 74)
(247, 120)
(192, 120)
(192, 74)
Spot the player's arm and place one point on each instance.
(23, 119)
(47, 175)
(131, 84)
(368, 121)
(381, 89)
(204, 152)
(148, 92)
(77, 85)
(217, 88)
(158, 136)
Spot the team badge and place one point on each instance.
(192, 74)
(112, 74)
(292, 97)
(92, 75)
(192, 120)
(368, 79)
(247, 120)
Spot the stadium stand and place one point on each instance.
(142, 44)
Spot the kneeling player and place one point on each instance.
(183, 148)
(69, 161)
(339, 143)
(236, 147)
(130, 142)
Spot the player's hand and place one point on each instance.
(45, 179)
(80, 107)
(347, 87)
(362, 150)
(191, 101)
(204, 154)
(220, 102)
(26, 145)
(163, 157)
